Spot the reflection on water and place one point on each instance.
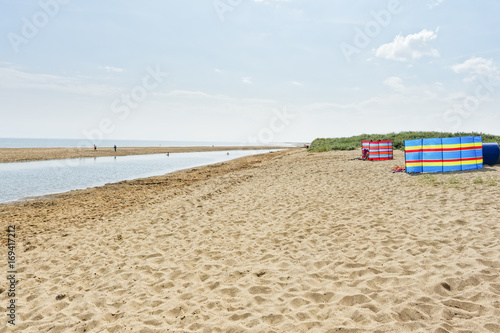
(28, 179)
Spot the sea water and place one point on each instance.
(31, 179)
(71, 143)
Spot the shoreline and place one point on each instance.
(112, 194)
(11, 155)
(140, 179)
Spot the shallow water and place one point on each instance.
(30, 179)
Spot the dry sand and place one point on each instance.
(286, 242)
(37, 154)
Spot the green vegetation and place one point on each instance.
(429, 179)
(354, 142)
(454, 180)
(478, 180)
(492, 182)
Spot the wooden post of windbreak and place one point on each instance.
(404, 151)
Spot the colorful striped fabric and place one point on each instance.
(385, 150)
(414, 156)
(379, 150)
(365, 145)
(442, 155)
(452, 154)
(374, 152)
(432, 155)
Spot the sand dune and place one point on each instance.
(287, 242)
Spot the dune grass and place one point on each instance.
(354, 142)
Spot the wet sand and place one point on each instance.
(38, 154)
(284, 242)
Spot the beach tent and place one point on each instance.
(491, 153)
(379, 150)
(443, 154)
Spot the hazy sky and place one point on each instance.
(244, 70)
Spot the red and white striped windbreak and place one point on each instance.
(378, 150)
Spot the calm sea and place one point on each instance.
(65, 143)
(31, 179)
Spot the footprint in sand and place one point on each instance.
(259, 290)
(231, 292)
(354, 299)
(462, 305)
(492, 327)
(298, 302)
(319, 297)
(259, 300)
(273, 319)
(408, 314)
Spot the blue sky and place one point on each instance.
(247, 70)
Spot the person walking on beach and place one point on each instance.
(115, 148)
(95, 147)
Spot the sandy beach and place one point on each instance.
(37, 154)
(289, 241)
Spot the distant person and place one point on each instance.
(95, 147)
(115, 148)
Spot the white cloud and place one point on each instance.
(410, 47)
(435, 3)
(296, 83)
(184, 93)
(11, 78)
(246, 80)
(111, 69)
(269, 1)
(394, 82)
(477, 66)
